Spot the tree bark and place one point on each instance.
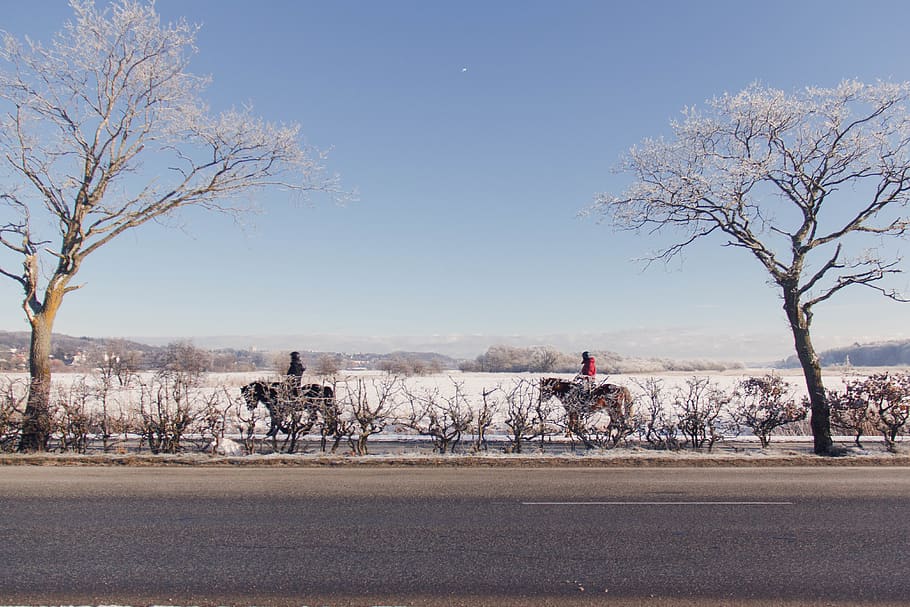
(36, 426)
(820, 420)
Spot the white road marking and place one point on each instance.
(657, 503)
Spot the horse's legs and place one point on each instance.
(270, 405)
(273, 425)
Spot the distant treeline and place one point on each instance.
(884, 354)
(83, 353)
(545, 359)
(79, 353)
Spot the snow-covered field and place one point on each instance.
(471, 385)
(476, 383)
(129, 406)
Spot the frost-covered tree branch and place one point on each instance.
(105, 129)
(809, 183)
(732, 168)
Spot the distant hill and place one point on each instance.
(73, 351)
(883, 354)
(14, 347)
(63, 346)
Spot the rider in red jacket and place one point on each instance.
(585, 378)
(588, 366)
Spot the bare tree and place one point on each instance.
(327, 365)
(183, 358)
(764, 404)
(544, 359)
(500, 358)
(809, 184)
(86, 125)
(113, 360)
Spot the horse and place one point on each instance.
(578, 399)
(282, 399)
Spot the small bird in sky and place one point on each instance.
(463, 70)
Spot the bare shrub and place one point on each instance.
(210, 422)
(297, 417)
(597, 428)
(482, 419)
(366, 410)
(763, 404)
(521, 404)
(330, 422)
(850, 414)
(165, 412)
(881, 401)
(110, 419)
(527, 415)
(600, 430)
(71, 412)
(170, 403)
(246, 418)
(599, 415)
(443, 418)
(13, 394)
(889, 398)
(656, 423)
(699, 405)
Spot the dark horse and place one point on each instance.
(282, 399)
(579, 400)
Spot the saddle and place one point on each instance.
(584, 384)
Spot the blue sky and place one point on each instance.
(474, 133)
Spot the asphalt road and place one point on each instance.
(454, 536)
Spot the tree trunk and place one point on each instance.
(36, 427)
(820, 420)
(821, 411)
